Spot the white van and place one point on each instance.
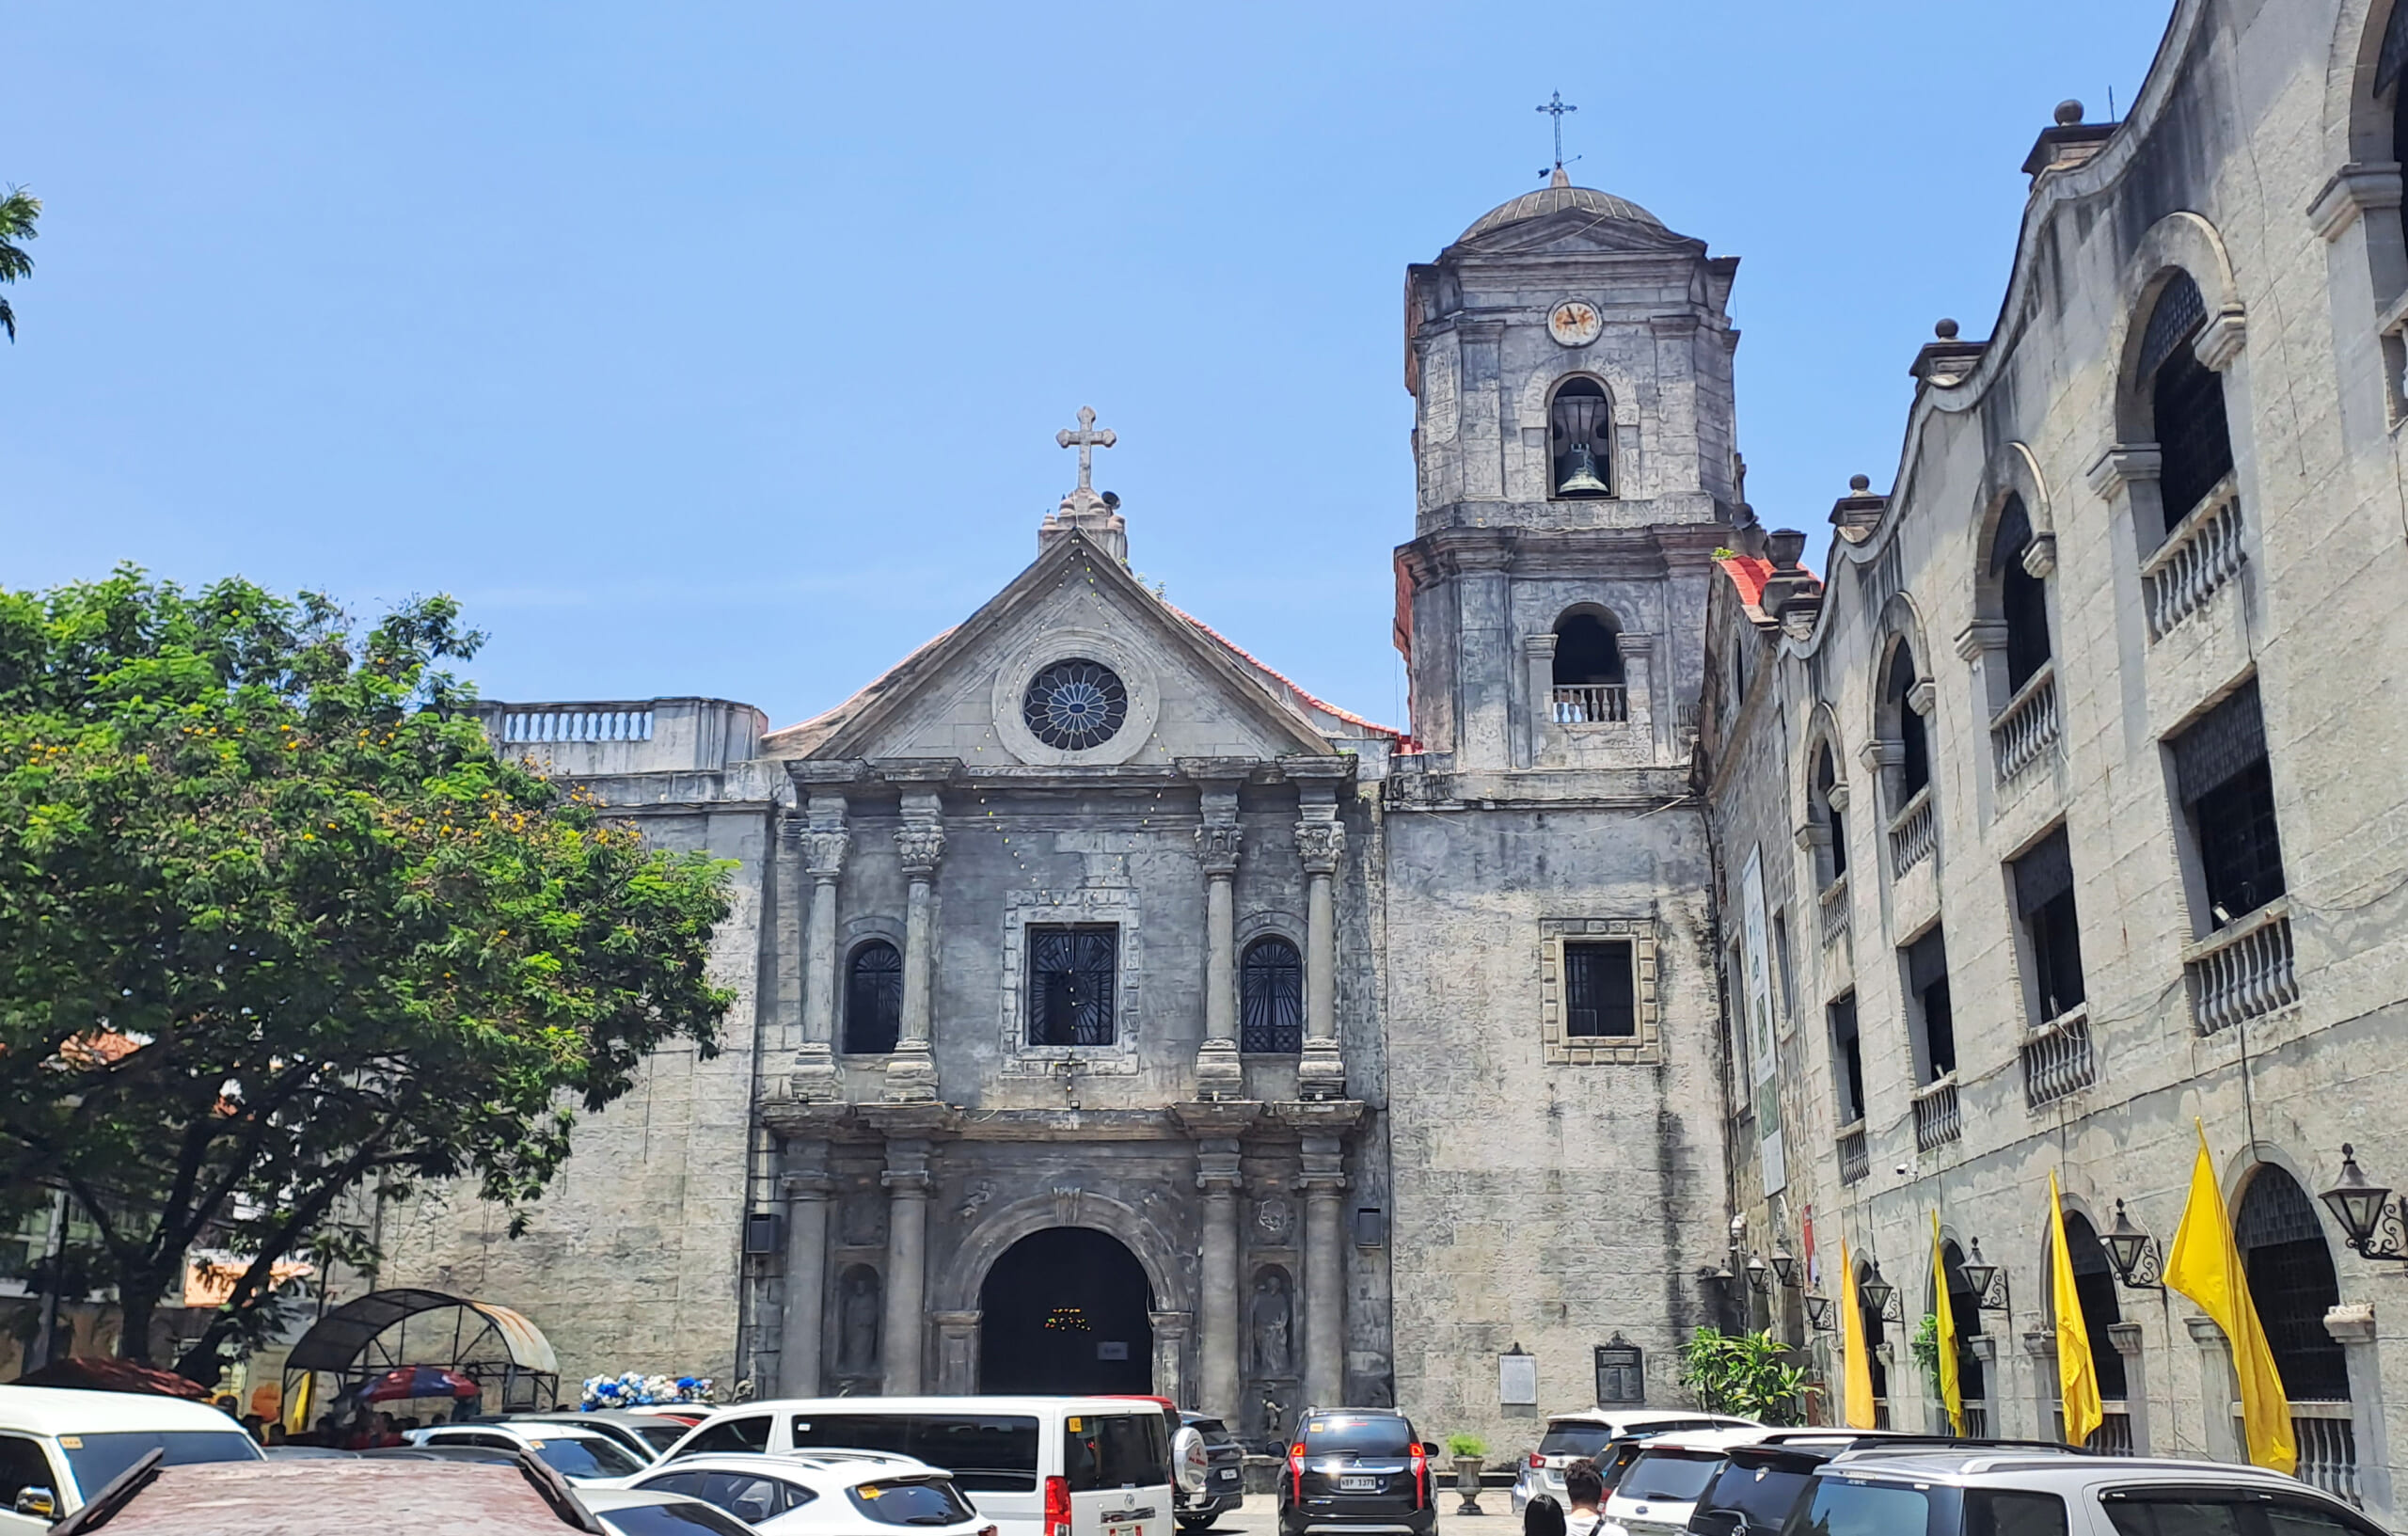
(59, 1445)
(1036, 1466)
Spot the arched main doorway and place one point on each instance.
(1066, 1310)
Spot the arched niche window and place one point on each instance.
(2094, 1284)
(1271, 998)
(1589, 679)
(2022, 597)
(1870, 1317)
(2290, 1279)
(1903, 725)
(2389, 65)
(873, 999)
(1580, 441)
(2186, 405)
(1829, 805)
(1964, 1309)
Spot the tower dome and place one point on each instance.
(1560, 197)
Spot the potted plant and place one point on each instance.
(1470, 1453)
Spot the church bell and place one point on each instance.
(1582, 480)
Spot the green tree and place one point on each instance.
(278, 930)
(19, 210)
(1744, 1373)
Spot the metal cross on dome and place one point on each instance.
(1086, 440)
(1556, 107)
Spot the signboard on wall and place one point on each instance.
(1517, 1379)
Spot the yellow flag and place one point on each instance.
(2077, 1373)
(1952, 1393)
(1856, 1361)
(296, 1407)
(2204, 1265)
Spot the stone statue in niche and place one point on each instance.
(1275, 1316)
(858, 1310)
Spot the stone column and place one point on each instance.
(806, 1186)
(2125, 477)
(2352, 1326)
(1219, 1073)
(1217, 1371)
(2126, 1336)
(821, 843)
(911, 1071)
(907, 1226)
(2040, 1348)
(2218, 1392)
(1321, 842)
(1652, 707)
(1324, 1183)
(956, 1352)
(1170, 1357)
(1538, 665)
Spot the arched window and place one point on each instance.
(1914, 744)
(2391, 61)
(2186, 405)
(2094, 1282)
(1870, 1317)
(1964, 1309)
(1830, 799)
(2290, 1279)
(873, 999)
(1580, 441)
(1587, 670)
(2022, 597)
(1271, 999)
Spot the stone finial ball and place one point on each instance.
(1945, 330)
(2068, 113)
(1858, 484)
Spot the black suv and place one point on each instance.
(1355, 1467)
(1223, 1480)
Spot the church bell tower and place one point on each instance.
(1569, 363)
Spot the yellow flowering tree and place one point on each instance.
(278, 930)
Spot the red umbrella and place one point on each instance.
(102, 1373)
(413, 1382)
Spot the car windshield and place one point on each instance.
(1842, 1508)
(1364, 1437)
(1675, 1475)
(1761, 1497)
(1214, 1431)
(1573, 1439)
(913, 1501)
(988, 1453)
(672, 1520)
(582, 1458)
(661, 1436)
(97, 1459)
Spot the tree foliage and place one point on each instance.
(19, 211)
(1744, 1373)
(278, 930)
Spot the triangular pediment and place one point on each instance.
(1575, 233)
(1181, 694)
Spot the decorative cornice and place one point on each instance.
(2120, 464)
(2359, 187)
(1979, 636)
(921, 846)
(2040, 557)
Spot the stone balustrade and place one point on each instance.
(2027, 729)
(1592, 703)
(1914, 833)
(1855, 1159)
(576, 722)
(1834, 904)
(2057, 1059)
(1937, 1119)
(2197, 558)
(2243, 972)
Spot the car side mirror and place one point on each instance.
(1429, 1448)
(1191, 1462)
(41, 1503)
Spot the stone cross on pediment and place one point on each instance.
(1086, 440)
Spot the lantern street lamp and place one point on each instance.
(1785, 1267)
(1818, 1314)
(2370, 1220)
(2133, 1253)
(1985, 1280)
(1879, 1294)
(1759, 1275)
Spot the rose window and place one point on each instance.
(1073, 706)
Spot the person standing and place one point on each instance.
(1586, 1489)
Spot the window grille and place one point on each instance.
(1927, 979)
(873, 999)
(2179, 314)
(1847, 1075)
(1071, 977)
(2186, 402)
(2044, 900)
(2094, 1284)
(2023, 601)
(1599, 998)
(1914, 744)
(2291, 1280)
(1271, 999)
(2219, 770)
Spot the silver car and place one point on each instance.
(1966, 1492)
(1582, 1436)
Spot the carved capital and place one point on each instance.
(921, 846)
(1979, 636)
(1921, 697)
(2121, 464)
(1878, 755)
(1217, 848)
(823, 851)
(1836, 797)
(806, 1186)
(2040, 557)
(1320, 845)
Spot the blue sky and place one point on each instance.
(720, 349)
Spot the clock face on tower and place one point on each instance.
(1575, 323)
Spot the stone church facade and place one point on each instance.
(1105, 997)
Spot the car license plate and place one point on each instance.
(1124, 1531)
(1359, 1485)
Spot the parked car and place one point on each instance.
(579, 1455)
(1657, 1491)
(1034, 1466)
(648, 1436)
(338, 1497)
(1590, 1435)
(837, 1494)
(635, 1512)
(59, 1445)
(1973, 1492)
(1357, 1469)
(1225, 1478)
